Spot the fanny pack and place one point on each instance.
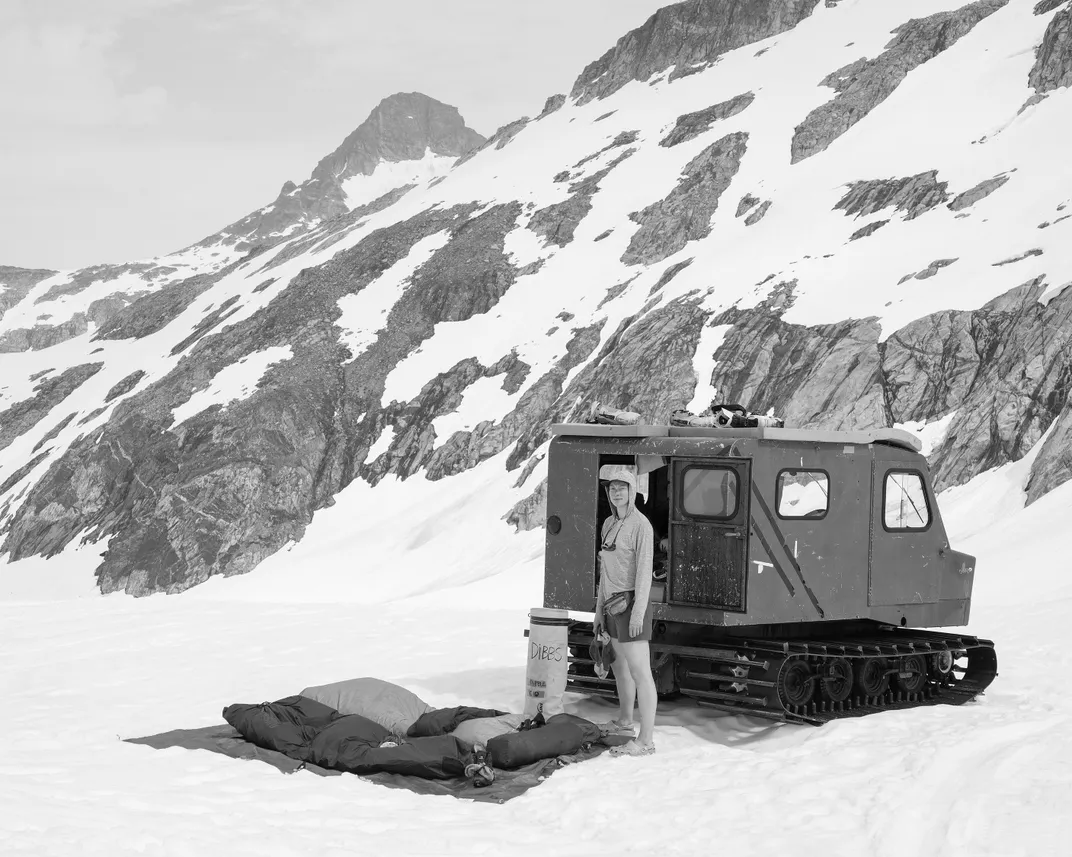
(617, 603)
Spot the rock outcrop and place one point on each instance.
(692, 125)
(864, 84)
(682, 35)
(16, 283)
(557, 222)
(1053, 61)
(914, 195)
(228, 487)
(685, 213)
(48, 393)
(974, 194)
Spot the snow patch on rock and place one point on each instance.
(361, 189)
(233, 383)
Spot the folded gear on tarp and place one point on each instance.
(563, 735)
(441, 721)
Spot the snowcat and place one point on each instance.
(794, 569)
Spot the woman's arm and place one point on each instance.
(642, 585)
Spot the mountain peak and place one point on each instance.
(408, 137)
(402, 127)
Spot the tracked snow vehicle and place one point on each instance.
(794, 569)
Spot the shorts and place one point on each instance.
(618, 626)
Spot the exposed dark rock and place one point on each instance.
(606, 115)
(626, 138)
(1044, 6)
(933, 268)
(92, 415)
(500, 138)
(16, 283)
(264, 285)
(1053, 464)
(23, 416)
(465, 450)
(154, 311)
(515, 369)
(980, 191)
(692, 125)
(684, 35)
(613, 292)
(758, 214)
(1002, 368)
(603, 235)
(913, 195)
(40, 374)
(125, 385)
(1035, 251)
(685, 213)
(226, 488)
(557, 222)
(53, 432)
(526, 471)
(16, 477)
(1053, 62)
(561, 177)
(870, 229)
(213, 319)
(43, 336)
(564, 316)
(747, 202)
(552, 104)
(530, 513)
(668, 275)
(83, 279)
(864, 84)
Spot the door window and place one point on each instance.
(803, 494)
(905, 502)
(709, 492)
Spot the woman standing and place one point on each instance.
(625, 559)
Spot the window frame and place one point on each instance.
(926, 499)
(680, 491)
(778, 494)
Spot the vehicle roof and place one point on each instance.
(889, 436)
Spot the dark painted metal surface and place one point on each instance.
(842, 566)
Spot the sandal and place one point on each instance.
(633, 748)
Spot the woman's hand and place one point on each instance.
(597, 626)
(636, 624)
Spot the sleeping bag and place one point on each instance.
(563, 735)
(311, 732)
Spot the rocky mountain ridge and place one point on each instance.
(659, 235)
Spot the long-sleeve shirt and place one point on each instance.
(627, 567)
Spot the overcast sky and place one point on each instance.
(130, 128)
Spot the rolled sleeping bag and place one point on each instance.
(563, 735)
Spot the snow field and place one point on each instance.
(988, 778)
(388, 175)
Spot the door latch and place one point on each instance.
(733, 534)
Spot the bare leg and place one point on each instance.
(638, 658)
(623, 678)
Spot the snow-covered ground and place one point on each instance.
(993, 777)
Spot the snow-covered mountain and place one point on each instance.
(854, 213)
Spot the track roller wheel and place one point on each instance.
(914, 683)
(796, 686)
(940, 664)
(836, 685)
(871, 677)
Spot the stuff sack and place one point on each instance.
(563, 735)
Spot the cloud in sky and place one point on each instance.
(143, 125)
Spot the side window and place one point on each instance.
(905, 502)
(709, 492)
(803, 494)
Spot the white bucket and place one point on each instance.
(545, 676)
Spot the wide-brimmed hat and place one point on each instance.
(619, 473)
